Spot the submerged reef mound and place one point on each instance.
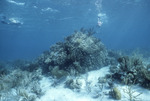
(79, 53)
(131, 70)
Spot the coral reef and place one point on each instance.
(80, 52)
(20, 86)
(68, 65)
(131, 70)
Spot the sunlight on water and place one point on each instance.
(16, 3)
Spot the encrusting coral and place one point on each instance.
(115, 93)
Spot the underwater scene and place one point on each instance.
(74, 50)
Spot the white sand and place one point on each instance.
(60, 93)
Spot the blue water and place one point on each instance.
(29, 27)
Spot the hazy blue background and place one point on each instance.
(126, 24)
